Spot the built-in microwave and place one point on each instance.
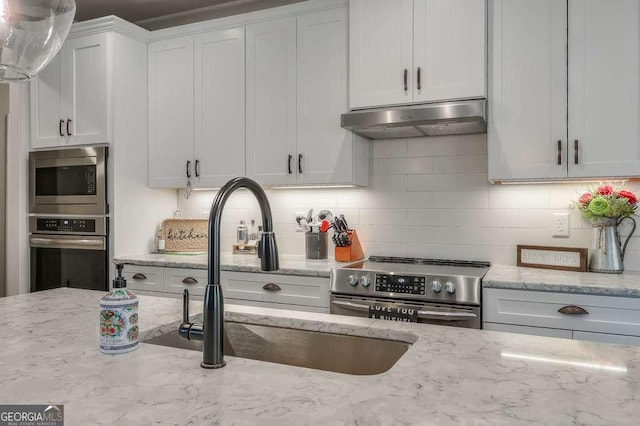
(69, 181)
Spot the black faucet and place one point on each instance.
(211, 331)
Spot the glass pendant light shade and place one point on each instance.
(31, 33)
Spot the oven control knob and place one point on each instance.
(450, 287)
(352, 280)
(365, 281)
(436, 286)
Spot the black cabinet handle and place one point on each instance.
(60, 127)
(559, 152)
(188, 169)
(418, 79)
(197, 168)
(299, 163)
(139, 276)
(575, 151)
(190, 280)
(289, 163)
(573, 310)
(68, 122)
(271, 287)
(406, 76)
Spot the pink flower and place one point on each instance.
(630, 196)
(604, 190)
(585, 198)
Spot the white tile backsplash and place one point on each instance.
(428, 197)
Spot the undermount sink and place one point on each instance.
(321, 351)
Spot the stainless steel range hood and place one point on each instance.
(446, 118)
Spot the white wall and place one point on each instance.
(428, 197)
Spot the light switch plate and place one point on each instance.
(560, 225)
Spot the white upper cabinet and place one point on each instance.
(604, 88)
(219, 107)
(564, 108)
(409, 51)
(380, 52)
(71, 98)
(271, 101)
(449, 47)
(527, 129)
(171, 105)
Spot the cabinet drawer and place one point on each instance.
(147, 278)
(604, 314)
(282, 289)
(533, 331)
(607, 338)
(177, 279)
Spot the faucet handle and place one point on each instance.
(185, 306)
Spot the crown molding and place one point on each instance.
(109, 23)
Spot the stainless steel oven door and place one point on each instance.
(431, 313)
(68, 181)
(76, 261)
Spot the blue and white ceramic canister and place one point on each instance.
(119, 319)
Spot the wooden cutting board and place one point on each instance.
(185, 235)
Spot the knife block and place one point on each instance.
(350, 253)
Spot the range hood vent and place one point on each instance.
(446, 118)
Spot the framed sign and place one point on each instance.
(560, 258)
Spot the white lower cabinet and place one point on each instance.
(307, 294)
(577, 316)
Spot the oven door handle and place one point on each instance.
(97, 244)
(444, 316)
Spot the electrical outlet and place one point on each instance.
(560, 225)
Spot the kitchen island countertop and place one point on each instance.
(289, 264)
(448, 376)
(511, 277)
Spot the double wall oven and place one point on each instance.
(69, 223)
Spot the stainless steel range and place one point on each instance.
(431, 291)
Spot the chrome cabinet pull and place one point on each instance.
(300, 163)
(190, 280)
(418, 79)
(60, 127)
(197, 168)
(188, 169)
(139, 276)
(559, 152)
(573, 310)
(575, 151)
(68, 132)
(271, 287)
(289, 163)
(406, 76)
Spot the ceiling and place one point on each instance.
(156, 14)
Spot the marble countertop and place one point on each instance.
(626, 284)
(289, 264)
(448, 376)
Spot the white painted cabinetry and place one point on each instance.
(581, 317)
(296, 91)
(196, 109)
(563, 107)
(409, 51)
(71, 98)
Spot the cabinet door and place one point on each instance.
(527, 129)
(380, 52)
(47, 122)
(451, 66)
(324, 147)
(604, 88)
(87, 75)
(171, 112)
(219, 107)
(271, 101)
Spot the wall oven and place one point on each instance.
(68, 181)
(434, 291)
(69, 252)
